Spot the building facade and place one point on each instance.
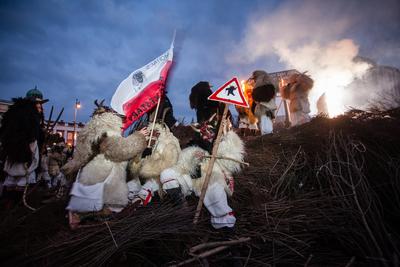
(67, 129)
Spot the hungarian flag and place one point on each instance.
(140, 91)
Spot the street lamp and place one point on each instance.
(77, 106)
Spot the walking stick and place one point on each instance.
(287, 114)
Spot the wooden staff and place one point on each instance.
(277, 110)
(55, 122)
(49, 120)
(210, 166)
(154, 122)
(287, 114)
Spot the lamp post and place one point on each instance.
(77, 106)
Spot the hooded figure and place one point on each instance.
(296, 91)
(19, 133)
(188, 174)
(101, 156)
(264, 105)
(322, 106)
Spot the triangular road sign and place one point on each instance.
(231, 93)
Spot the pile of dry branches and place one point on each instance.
(322, 193)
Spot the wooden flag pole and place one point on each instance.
(210, 165)
(154, 122)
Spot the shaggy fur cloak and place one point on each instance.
(199, 101)
(231, 146)
(165, 154)
(263, 90)
(110, 160)
(20, 127)
(297, 91)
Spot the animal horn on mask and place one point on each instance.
(212, 117)
(195, 128)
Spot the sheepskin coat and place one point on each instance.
(109, 160)
(231, 146)
(263, 107)
(297, 91)
(165, 154)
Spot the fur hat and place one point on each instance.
(199, 94)
(260, 78)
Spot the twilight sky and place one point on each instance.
(84, 49)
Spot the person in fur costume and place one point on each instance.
(322, 106)
(188, 174)
(56, 158)
(101, 156)
(164, 154)
(296, 91)
(199, 101)
(264, 105)
(19, 133)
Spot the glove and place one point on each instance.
(148, 151)
(197, 173)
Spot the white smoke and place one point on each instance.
(332, 67)
(307, 36)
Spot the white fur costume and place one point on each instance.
(164, 155)
(221, 180)
(108, 164)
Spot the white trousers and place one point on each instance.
(215, 200)
(266, 125)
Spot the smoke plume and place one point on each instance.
(312, 36)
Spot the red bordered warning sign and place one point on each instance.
(230, 93)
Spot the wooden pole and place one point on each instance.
(277, 110)
(287, 114)
(210, 165)
(154, 122)
(49, 120)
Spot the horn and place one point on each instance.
(194, 128)
(102, 102)
(212, 117)
(97, 104)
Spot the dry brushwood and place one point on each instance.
(325, 192)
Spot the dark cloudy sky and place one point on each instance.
(84, 49)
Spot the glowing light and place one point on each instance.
(333, 83)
